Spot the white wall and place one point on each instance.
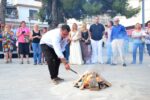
(28, 2)
(23, 12)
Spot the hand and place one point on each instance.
(67, 66)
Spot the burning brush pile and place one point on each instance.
(92, 81)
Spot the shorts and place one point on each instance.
(24, 48)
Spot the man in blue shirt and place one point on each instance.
(97, 30)
(118, 36)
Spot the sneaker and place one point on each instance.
(35, 63)
(59, 79)
(55, 81)
(124, 65)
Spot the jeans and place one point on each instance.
(148, 48)
(109, 52)
(141, 51)
(36, 52)
(67, 52)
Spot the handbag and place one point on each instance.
(88, 42)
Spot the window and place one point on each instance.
(11, 12)
(33, 14)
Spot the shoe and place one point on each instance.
(55, 81)
(10, 61)
(35, 63)
(124, 65)
(59, 79)
(7, 62)
(140, 63)
(21, 62)
(28, 62)
(107, 63)
(133, 63)
(40, 63)
(113, 64)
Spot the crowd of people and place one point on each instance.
(84, 45)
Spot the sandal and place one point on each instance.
(28, 62)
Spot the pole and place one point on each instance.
(143, 14)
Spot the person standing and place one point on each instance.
(53, 45)
(108, 42)
(36, 36)
(44, 30)
(118, 35)
(7, 43)
(147, 37)
(75, 47)
(138, 35)
(97, 30)
(85, 44)
(23, 34)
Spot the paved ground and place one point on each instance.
(29, 82)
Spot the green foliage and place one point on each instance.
(81, 8)
(92, 9)
(122, 7)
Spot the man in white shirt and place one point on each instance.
(53, 45)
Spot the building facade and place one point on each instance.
(24, 10)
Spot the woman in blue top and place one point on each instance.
(137, 36)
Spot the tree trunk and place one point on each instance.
(54, 13)
(2, 10)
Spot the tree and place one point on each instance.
(54, 11)
(2, 10)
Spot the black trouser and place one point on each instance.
(52, 60)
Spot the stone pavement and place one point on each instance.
(30, 82)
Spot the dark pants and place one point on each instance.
(52, 60)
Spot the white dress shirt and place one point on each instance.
(54, 40)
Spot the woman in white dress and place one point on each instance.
(75, 48)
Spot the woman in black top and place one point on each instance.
(85, 44)
(36, 36)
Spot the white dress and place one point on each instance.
(75, 49)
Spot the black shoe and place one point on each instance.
(59, 79)
(35, 63)
(124, 65)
